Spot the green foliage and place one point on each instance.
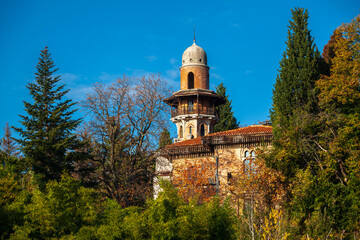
(47, 137)
(10, 195)
(168, 217)
(294, 106)
(335, 180)
(7, 143)
(317, 138)
(165, 138)
(227, 120)
(64, 208)
(299, 69)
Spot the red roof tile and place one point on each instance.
(194, 141)
(239, 131)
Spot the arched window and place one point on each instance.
(181, 132)
(202, 130)
(190, 129)
(190, 80)
(249, 162)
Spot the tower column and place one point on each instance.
(195, 114)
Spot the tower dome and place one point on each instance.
(194, 55)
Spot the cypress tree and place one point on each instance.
(165, 138)
(299, 69)
(227, 120)
(47, 138)
(295, 101)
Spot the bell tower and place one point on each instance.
(193, 106)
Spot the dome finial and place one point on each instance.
(194, 33)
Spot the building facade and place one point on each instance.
(220, 156)
(193, 107)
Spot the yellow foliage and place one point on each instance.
(272, 228)
(342, 86)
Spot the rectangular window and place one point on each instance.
(190, 104)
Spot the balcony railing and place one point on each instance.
(192, 110)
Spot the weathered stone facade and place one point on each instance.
(218, 157)
(224, 152)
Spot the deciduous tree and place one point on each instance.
(195, 180)
(337, 172)
(258, 190)
(126, 120)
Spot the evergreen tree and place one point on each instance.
(294, 109)
(227, 120)
(299, 69)
(165, 138)
(8, 145)
(47, 138)
(9, 154)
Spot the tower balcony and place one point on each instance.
(192, 110)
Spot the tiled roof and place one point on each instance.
(253, 129)
(190, 142)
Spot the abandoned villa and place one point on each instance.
(193, 110)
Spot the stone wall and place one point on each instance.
(230, 164)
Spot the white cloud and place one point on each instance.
(79, 92)
(173, 61)
(75, 83)
(106, 77)
(69, 78)
(172, 73)
(217, 76)
(151, 58)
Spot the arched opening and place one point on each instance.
(249, 162)
(190, 80)
(202, 130)
(181, 132)
(190, 105)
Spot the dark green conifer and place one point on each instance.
(165, 138)
(47, 137)
(8, 145)
(227, 120)
(299, 69)
(294, 106)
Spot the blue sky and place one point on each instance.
(94, 41)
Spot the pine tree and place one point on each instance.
(8, 145)
(299, 69)
(165, 138)
(227, 120)
(47, 137)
